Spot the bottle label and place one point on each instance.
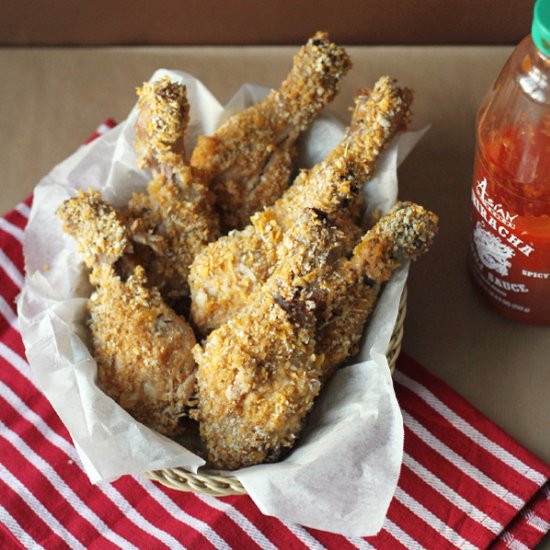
(507, 261)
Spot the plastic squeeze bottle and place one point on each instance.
(510, 234)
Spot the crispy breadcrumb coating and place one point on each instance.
(259, 374)
(142, 348)
(99, 229)
(163, 116)
(175, 218)
(225, 274)
(406, 232)
(249, 159)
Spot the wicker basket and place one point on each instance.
(221, 484)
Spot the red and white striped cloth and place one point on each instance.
(464, 482)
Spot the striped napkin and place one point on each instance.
(464, 482)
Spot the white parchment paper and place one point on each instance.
(342, 475)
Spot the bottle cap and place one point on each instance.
(540, 31)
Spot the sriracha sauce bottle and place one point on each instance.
(509, 256)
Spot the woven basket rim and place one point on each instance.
(216, 483)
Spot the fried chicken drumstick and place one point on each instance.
(406, 232)
(227, 272)
(259, 373)
(249, 159)
(142, 348)
(175, 218)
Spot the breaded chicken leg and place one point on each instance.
(175, 218)
(259, 373)
(227, 272)
(142, 348)
(406, 232)
(249, 159)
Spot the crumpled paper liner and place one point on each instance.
(344, 471)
